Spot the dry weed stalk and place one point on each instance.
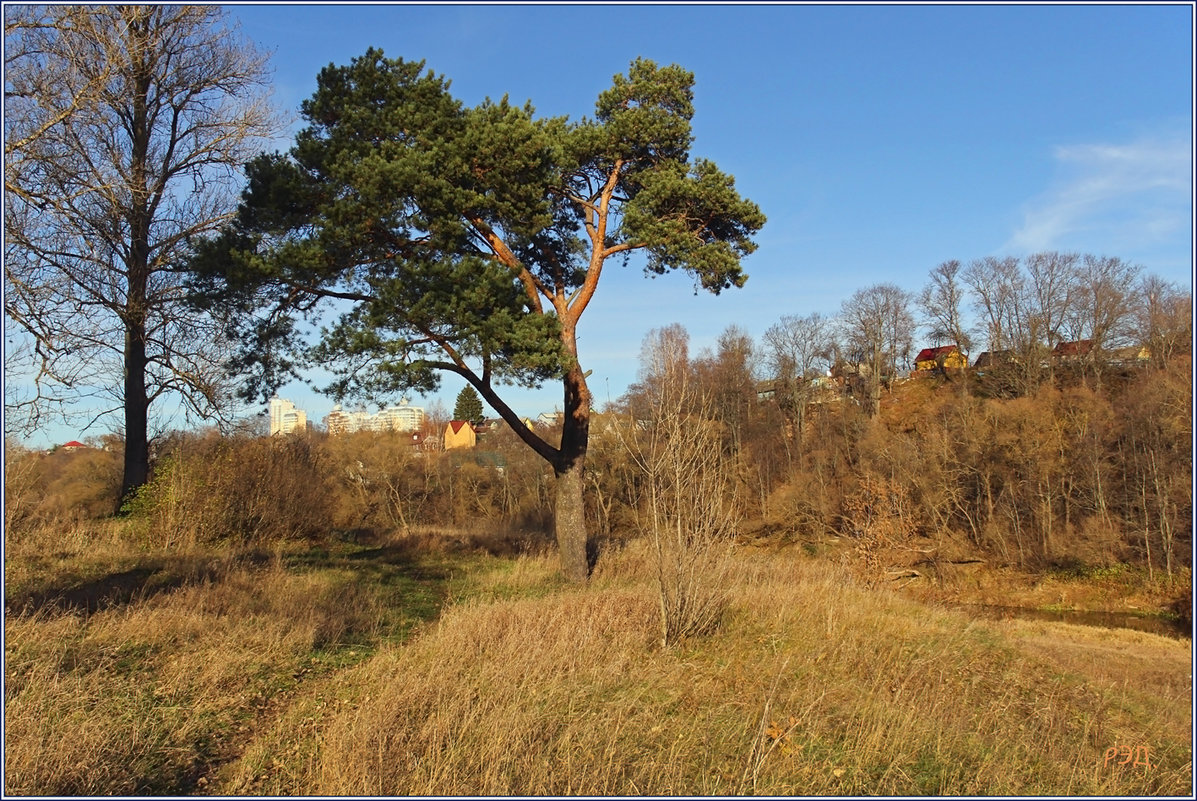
(759, 751)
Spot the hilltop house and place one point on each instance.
(1132, 356)
(548, 419)
(947, 357)
(995, 358)
(1072, 351)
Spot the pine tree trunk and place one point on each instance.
(570, 517)
(570, 523)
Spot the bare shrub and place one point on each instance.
(528, 482)
(688, 506)
(83, 483)
(21, 491)
(878, 516)
(378, 484)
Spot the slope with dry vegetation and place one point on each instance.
(313, 673)
(341, 616)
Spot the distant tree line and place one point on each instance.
(1017, 309)
(1029, 463)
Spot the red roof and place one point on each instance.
(456, 425)
(933, 354)
(74, 444)
(1078, 348)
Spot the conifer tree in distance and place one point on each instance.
(468, 406)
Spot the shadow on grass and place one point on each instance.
(113, 590)
(155, 575)
(368, 594)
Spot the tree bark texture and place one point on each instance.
(570, 468)
(570, 522)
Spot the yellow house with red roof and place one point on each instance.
(947, 357)
(460, 434)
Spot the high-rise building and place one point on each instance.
(401, 417)
(337, 421)
(285, 417)
(393, 418)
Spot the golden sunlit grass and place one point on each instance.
(813, 686)
(143, 693)
(292, 676)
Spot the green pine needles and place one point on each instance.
(406, 235)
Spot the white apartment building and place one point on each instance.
(401, 417)
(393, 418)
(285, 417)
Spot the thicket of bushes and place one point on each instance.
(208, 488)
(1071, 474)
(58, 488)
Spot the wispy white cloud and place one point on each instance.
(1109, 196)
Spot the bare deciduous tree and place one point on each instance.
(727, 378)
(1104, 290)
(797, 350)
(125, 127)
(1051, 290)
(1050, 293)
(1163, 319)
(61, 86)
(878, 329)
(996, 284)
(1008, 306)
(942, 301)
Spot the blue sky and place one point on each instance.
(878, 140)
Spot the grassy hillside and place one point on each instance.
(394, 670)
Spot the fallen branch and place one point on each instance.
(894, 575)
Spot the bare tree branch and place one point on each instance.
(125, 130)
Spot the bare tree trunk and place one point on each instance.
(875, 390)
(1161, 493)
(1146, 525)
(137, 452)
(1016, 522)
(1048, 516)
(1099, 486)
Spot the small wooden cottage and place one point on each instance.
(995, 358)
(1072, 351)
(947, 357)
(460, 434)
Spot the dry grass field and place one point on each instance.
(393, 669)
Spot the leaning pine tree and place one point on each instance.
(466, 240)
